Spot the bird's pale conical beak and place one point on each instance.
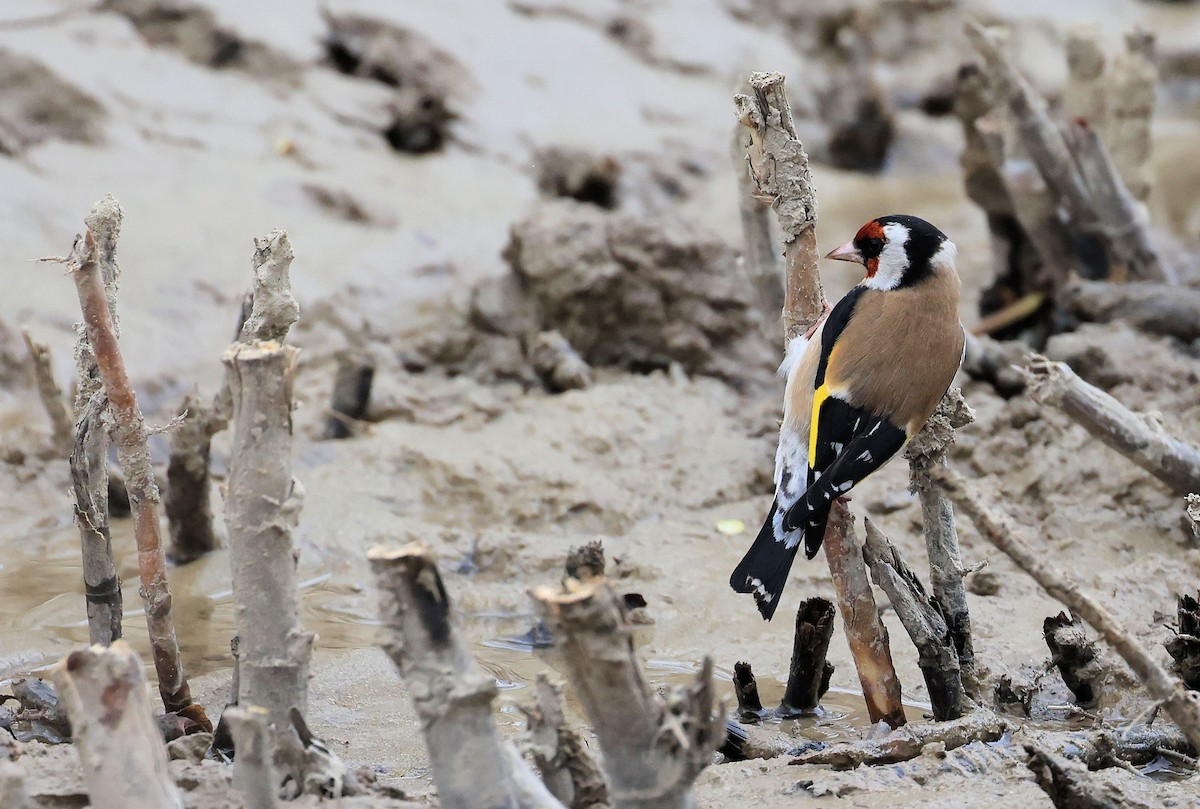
(847, 252)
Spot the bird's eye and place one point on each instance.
(871, 246)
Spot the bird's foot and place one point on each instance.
(825, 310)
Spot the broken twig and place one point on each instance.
(1076, 657)
(907, 742)
(809, 672)
(1138, 438)
(560, 753)
(867, 635)
(923, 620)
(62, 431)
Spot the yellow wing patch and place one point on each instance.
(819, 396)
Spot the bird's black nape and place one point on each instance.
(924, 240)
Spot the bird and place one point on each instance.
(859, 385)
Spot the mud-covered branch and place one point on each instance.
(1156, 308)
(1182, 705)
(923, 620)
(652, 751)
(560, 752)
(907, 742)
(62, 431)
(926, 450)
(262, 509)
(1138, 438)
(1075, 165)
(450, 692)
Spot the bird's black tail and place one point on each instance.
(763, 571)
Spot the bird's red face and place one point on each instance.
(896, 250)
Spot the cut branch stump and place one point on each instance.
(652, 751)
(1076, 657)
(261, 511)
(809, 672)
(120, 747)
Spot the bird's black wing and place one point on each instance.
(850, 444)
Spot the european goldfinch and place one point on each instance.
(864, 382)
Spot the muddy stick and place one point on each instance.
(351, 392)
(868, 637)
(451, 694)
(268, 312)
(652, 752)
(1182, 706)
(922, 619)
(62, 431)
(558, 363)
(253, 774)
(926, 450)
(745, 690)
(778, 166)
(1152, 307)
(568, 770)
(120, 748)
(1070, 785)
(1076, 657)
(1138, 438)
(1076, 166)
(89, 481)
(809, 672)
(188, 501)
(1184, 647)
(262, 509)
(906, 743)
(129, 433)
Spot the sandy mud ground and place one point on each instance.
(400, 197)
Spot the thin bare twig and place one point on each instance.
(62, 431)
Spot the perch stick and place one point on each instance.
(1182, 705)
(867, 635)
(62, 431)
(261, 511)
(129, 433)
(928, 449)
(779, 167)
(452, 696)
(1075, 165)
(652, 751)
(922, 619)
(268, 312)
(119, 744)
(1138, 438)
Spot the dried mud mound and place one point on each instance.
(639, 293)
(36, 106)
